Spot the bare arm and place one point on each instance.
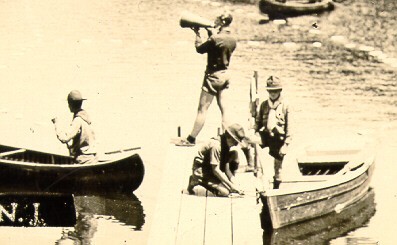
(70, 132)
(215, 164)
(229, 173)
(223, 177)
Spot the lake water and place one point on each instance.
(141, 76)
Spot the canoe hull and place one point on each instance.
(123, 174)
(291, 8)
(283, 208)
(325, 228)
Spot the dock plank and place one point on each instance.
(174, 180)
(191, 222)
(246, 213)
(218, 223)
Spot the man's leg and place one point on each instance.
(197, 176)
(249, 153)
(277, 168)
(193, 181)
(220, 98)
(204, 103)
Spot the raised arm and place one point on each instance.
(70, 132)
(201, 47)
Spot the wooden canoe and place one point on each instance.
(295, 7)
(30, 170)
(323, 229)
(326, 180)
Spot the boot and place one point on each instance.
(192, 183)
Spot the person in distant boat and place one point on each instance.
(219, 48)
(79, 136)
(273, 125)
(215, 163)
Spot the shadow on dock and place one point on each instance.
(322, 229)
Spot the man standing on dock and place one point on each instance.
(219, 48)
(215, 164)
(79, 133)
(273, 125)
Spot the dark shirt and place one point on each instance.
(219, 48)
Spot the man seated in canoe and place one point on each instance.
(215, 163)
(79, 136)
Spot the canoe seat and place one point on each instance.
(321, 168)
(8, 153)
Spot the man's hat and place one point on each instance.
(237, 132)
(273, 83)
(75, 95)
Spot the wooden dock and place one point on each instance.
(202, 218)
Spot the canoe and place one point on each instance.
(323, 229)
(295, 7)
(323, 178)
(31, 170)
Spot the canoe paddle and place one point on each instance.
(122, 150)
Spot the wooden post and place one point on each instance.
(179, 131)
(254, 104)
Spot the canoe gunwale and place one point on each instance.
(343, 176)
(65, 166)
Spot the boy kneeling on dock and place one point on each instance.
(215, 164)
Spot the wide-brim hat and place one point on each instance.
(273, 83)
(237, 132)
(75, 95)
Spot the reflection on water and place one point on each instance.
(123, 209)
(326, 228)
(126, 208)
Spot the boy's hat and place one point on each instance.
(273, 83)
(75, 95)
(237, 132)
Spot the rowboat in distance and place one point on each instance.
(295, 7)
(322, 178)
(31, 170)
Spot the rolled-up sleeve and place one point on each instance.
(70, 132)
(215, 156)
